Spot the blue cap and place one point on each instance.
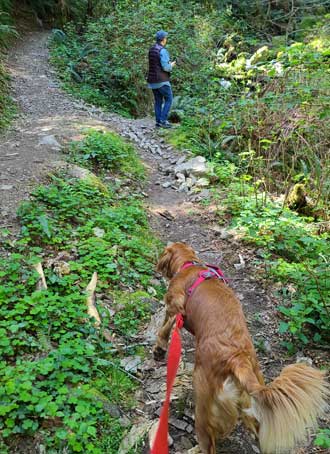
(160, 35)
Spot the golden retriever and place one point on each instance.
(228, 383)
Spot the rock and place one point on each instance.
(195, 450)
(180, 160)
(192, 178)
(50, 141)
(188, 412)
(189, 182)
(81, 173)
(151, 291)
(124, 421)
(184, 187)
(152, 435)
(155, 282)
(6, 187)
(202, 182)
(185, 444)
(223, 232)
(131, 363)
(165, 168)
(204, 194)
(113, 410)
(154, 388)
(132, 136)
(196, 166)
(267, 347)
(98, 232)
(167, 184)
(241, 265)
(178, 423)
(304, 359)
(180, 177)
(147, 365)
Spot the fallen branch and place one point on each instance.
(91, 308)
(41, 284)
(90, 301)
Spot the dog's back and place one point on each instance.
(222, 339)
(228, 382)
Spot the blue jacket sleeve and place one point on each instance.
(165, 60)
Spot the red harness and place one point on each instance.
(160, 445)
(211, 272)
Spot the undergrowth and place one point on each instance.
(7, 106)
(7, 32)
(59, 378)
(295, 254)
(108, 152)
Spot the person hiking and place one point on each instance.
(158, 79)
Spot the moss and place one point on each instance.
(297, 197)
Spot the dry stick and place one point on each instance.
(91, 308)
(41, 284)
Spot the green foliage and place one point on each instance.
(7, 32)
(52, 364)
(295, 254)
(58, 376)
(323, 438)
(59, 11)
(113, 73)
(7, 107)
(108, 151)
(133, 309)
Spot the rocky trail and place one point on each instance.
(48, 119)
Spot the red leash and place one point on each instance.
(160, 445)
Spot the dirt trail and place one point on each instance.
(24, 160)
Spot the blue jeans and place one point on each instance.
(162, 94)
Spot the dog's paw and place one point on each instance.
(158, 353)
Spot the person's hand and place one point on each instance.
(173, 63)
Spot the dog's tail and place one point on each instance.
(286, 407)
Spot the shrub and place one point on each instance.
(107, 151)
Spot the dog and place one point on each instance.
(227, 380)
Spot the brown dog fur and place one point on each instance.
(228, 383)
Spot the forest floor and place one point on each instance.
(28, 152)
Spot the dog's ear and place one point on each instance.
(163, 265)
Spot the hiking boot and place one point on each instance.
(166, 125)
(158, 125)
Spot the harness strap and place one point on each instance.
(211, 272)
(188, 264)
(202, 276)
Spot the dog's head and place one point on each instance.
(173, 257)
